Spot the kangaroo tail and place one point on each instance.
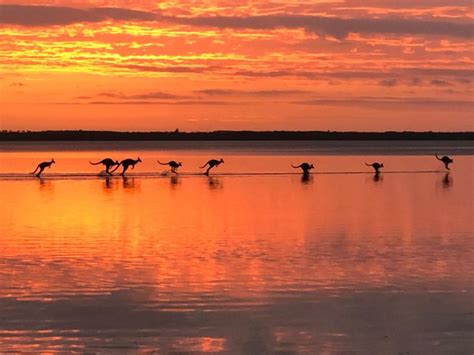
(202, 167)
(33, 172)
(437, 157)
(91, 163)
(159, 162)
(299, 166)
(368, 164)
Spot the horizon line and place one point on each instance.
(177, 131)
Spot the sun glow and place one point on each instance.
(191, 49)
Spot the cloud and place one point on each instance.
(26, 15)
(145, 96)
(16, 84)
(259, 93)
(443, 72)
(407, 3)
(177, 103)
(333, 26)
(384, 102)
(161, 69)
(441, 83)
(462, 75)
(388, 82)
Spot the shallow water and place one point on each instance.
(236, 262)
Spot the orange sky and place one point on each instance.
(228, 64)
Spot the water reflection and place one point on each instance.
(45, 184)
(188, 269)
(447, 181)
(214, 183)
(377, 177)
(129, 183)
(307, 178)
(174, 181)
(107, 182)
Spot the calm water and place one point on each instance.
(238, 262)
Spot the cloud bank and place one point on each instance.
(26, 15)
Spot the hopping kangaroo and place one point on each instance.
(446, 161)
(42, 166)
(108, 164)
(376, 167)
(126, 164)
(211, 164)
(305, 167)
(172, 164)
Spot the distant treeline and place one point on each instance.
(227, 136)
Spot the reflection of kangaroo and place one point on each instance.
(447, 181)
(306, 178)
(376, 167)
(377, 177)
(126, 164)
(305, 167)
(172, 164)
(108, 164)
(42, 166)
(214, 183)
(446, 160)
(211, 164)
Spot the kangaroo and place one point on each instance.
(446, 161)
(211, 164)
(127, 163)
(305, 167)
(42, 166)
(108, 164)
(172, 164)
(376, 166)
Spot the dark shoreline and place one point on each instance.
(81, 135)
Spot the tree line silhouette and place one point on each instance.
(82, 135)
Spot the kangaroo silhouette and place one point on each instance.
(108, 164)
(446, 161)
(376, 167)
(42, 166)
(172, 164)
(211, 164)
(126, 164)
(305, 167)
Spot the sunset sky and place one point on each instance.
(231, 64)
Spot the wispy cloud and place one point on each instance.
(384, 102)
(173, 103)
(144, 96)
(388, 82)
(252, 93)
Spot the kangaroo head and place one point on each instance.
(139, 160)
(179, 164)
(222, 160)
(381, 165)
(311, 166)
(52, 161)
